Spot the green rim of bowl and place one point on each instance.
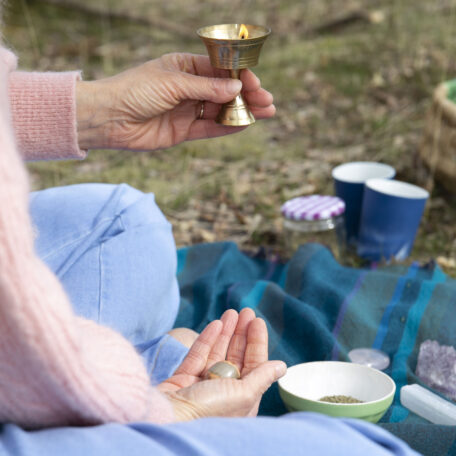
(370, 411)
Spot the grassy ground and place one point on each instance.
(359, 91)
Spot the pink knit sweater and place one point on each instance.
(56, 368)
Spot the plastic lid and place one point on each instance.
(369, 357)
(315, 207)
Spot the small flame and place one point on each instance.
(243, 32)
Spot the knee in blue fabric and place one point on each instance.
(114, 252)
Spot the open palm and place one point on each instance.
(241, 339)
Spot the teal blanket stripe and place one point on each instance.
(316, 309)
(383, 327)
(407, 343)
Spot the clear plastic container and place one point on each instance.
(370, 357)
(314, 218)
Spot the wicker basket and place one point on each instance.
(438, 148)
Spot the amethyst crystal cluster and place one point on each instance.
(436, 367)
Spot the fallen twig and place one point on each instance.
(160, 23)
(337, 23)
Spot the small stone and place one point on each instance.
(436, 367)
(223, 369)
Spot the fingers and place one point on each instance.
(250, 81)
(260, 112)
(207, 128)
(200, 65)
(260, 379)
(196, 64)
(263, 376)
(203, 129)
(219, 349)
(218, 90)
(256, 350)
(263, 113)
(260, 98)
(238, 344)
(200, 73)
(259, 103)
(196, 359)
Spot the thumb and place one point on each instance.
(263, 376)
(217, 90)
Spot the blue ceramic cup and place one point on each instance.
(349, 181)
(391, 214)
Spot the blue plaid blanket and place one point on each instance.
(317, 309)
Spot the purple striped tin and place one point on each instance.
(315, 207)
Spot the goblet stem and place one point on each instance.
(235, 112)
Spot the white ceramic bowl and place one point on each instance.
(304, 384)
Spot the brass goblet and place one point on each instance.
(234, 47)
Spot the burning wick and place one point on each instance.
(243, 32)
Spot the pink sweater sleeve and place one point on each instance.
(43, 110)
(56, 368)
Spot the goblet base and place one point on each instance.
(235, 113)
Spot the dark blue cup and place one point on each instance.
(391, 214)
(349, 181)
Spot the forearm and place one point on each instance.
(43, 111)
(56, 368)
(63, 369)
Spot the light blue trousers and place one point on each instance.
(113, 251)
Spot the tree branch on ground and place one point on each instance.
(160, 23)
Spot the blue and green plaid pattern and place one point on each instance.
(316, 309)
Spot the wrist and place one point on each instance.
(92, 114)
